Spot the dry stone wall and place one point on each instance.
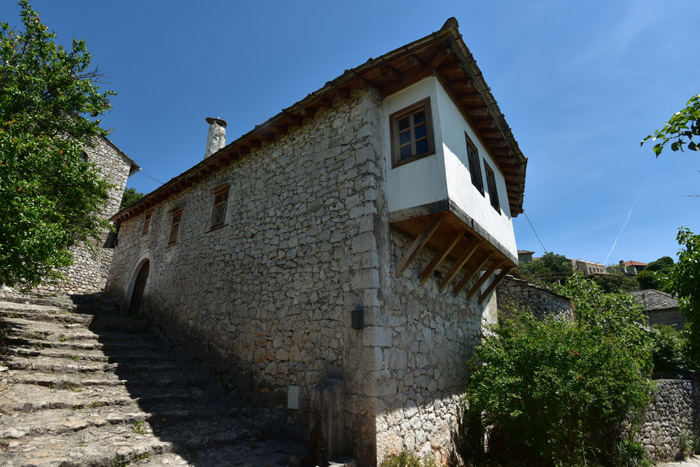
(89, 271)
(429, 336)
(266, 300)
(519, 293)
(671, 419)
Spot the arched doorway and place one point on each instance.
(139, 286)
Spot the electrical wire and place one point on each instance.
(146, 175)
(533, 229)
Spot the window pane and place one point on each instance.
(422, 146)
(419, 117)
(404, 138)
(406, 152)
(404, 123)
(421, 131)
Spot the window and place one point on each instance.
(493, 191)
(474, 165)
(147, 223)
(411, 133)
(175, 227)
(218, 212)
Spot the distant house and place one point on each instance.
(660, 307)
(588, 268)
(341, 258)
(525, 256)
(632, 268)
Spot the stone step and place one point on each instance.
(49, 315)
(31, 397)
(151, 380)
(63, 301)
(250, 454)
(77, 365)
(37, 350)
(144, 344)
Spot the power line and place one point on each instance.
(533, 229)
(146, 175)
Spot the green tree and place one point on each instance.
(50, 196)
(130, 197)
(558, 391)
(684, 281)
(550, 268)
(662, 264)
(679, 130)
(615, 282)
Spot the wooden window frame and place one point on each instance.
(493, 188)
(474, 165)
(409, 111)
(223, 191)
(147, 223)
(175, 227)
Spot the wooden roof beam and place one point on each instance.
(439, 56)
(392, 73)
(441, 255)
(416, 63)
(493, 284)
(461, 261)
(418, 244)
(475, 288)
(469, 274)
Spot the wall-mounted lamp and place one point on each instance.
(358, 317)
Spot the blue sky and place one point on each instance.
(580, 83)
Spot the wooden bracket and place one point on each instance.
(441, 255)
(458, 265)
(493, 284)
(475, 288)
(420, 241)
(471, 273)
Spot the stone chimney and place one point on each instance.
(216, 138)
(623, 267)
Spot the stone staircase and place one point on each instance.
(82, 387)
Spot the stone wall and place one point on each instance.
(430, 335)
(671, 419)
(266, 300)
(519, 293)
(672, 317)
(89, 271)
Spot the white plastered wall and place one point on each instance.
(445, 174)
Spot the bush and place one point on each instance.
(668, 356)
(557, 391)
(404, 459)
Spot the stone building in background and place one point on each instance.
(340, 259)
(88, 273)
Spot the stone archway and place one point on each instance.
(139, 286)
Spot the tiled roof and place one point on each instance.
(634, 263)
(654, 300)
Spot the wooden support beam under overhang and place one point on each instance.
(494, 284)
(475, 288)
(440, 55)
(470, 273)
(392, 73)
(461, 261)
(420, 241)
(441, 255)
(416, 63)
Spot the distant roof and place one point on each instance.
(654, 300)
(634, 263)
(443, 53)
(526, 252)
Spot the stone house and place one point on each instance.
(88, 273)
(340, 259)
(660, 307)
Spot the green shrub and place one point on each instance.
(668, 350)
(404, 459)
(556, 391)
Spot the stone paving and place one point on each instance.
(79, 386)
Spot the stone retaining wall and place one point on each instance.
(518, 293)
(671, 420)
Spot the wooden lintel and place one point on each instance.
(416, 63)
(471, 273)
(475, 288)
(441, 255)
(420, 241)
(392, 73)
(458, 265)
(493, 284)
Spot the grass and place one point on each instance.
(97, 404)
(139, 428)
